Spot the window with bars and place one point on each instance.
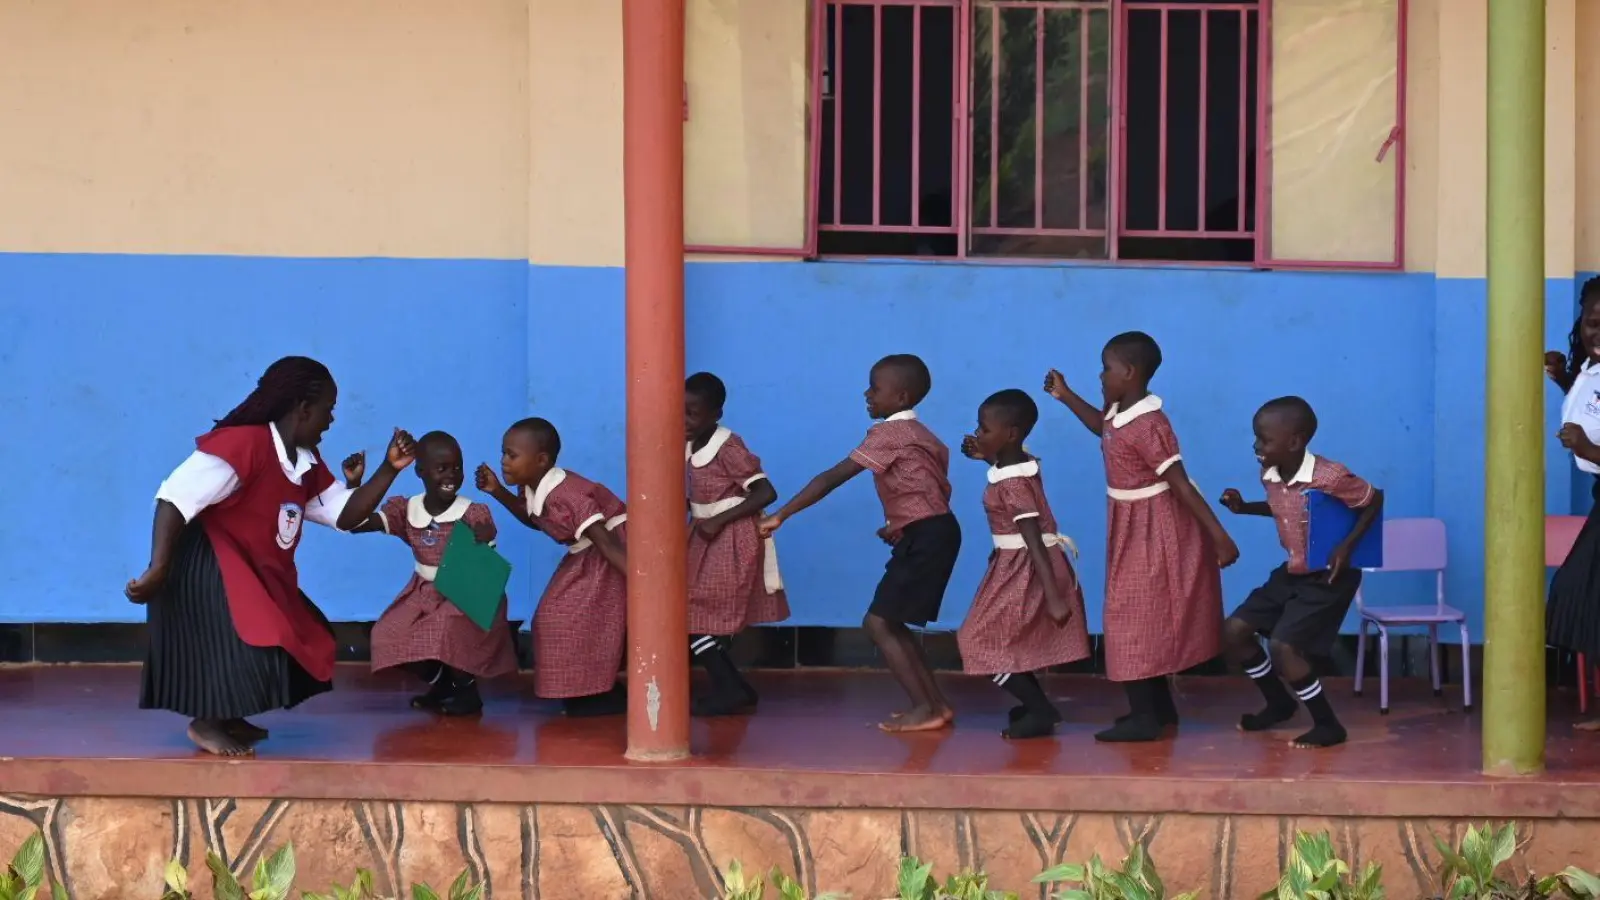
(1109, 129)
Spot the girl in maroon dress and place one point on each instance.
(231, 635)
(579, 626)
(1028, 613)
(733, 572)
(1165, 549)
(421, 630)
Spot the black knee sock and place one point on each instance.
(1143, 722)
(1326, 732)
(1280, 703)
(1038, 715)
(712, 652)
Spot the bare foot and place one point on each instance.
(1587, 725)
(245, 730)
(920, 719)
(213, 737)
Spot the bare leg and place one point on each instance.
(211, 735)
(900, 655)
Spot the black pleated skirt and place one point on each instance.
(196, 664)
(1572, 615)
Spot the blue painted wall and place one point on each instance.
(115, 362)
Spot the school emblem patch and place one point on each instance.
(289, 516)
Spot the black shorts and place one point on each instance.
(913, 582)
(1303, 611)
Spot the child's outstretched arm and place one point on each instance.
(1055, 605)
(364, 500)
(817, 488)
(1234, 502)
(1178, 477)
(489, 483)
(1092, 417)
(607, 545)
(759, 495)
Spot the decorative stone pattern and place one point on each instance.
(117, 847)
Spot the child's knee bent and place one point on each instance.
(1285, 655)
(1238, 634)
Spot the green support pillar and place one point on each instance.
(1514, 573)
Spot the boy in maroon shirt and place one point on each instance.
(1299, 610)
(911, 471)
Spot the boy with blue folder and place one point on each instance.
(1305, 600)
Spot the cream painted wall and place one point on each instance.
(292, 127)
(1587, 134)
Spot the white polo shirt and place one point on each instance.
(1582, 408)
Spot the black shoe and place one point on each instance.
(725, 703)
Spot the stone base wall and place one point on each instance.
(105, 847)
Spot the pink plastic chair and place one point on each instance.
(1413, 545)
(1560, 533)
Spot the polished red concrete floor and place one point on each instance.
(76, 730)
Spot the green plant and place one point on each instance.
(461, 889)
(1572, 881)
(1135, 880)
(177, 879)
(1315, 872)
(360, 889)
(25, 874)
(738, 886)
(272, 879)
(1472, 870)
(972, 886)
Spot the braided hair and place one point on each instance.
(286, 384)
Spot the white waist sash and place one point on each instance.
(426, 573)
(582, 544)
(1143, 493)
(1015, 542)
(769, 558)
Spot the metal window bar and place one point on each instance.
(847, 84)
(1213, 17)
(997, 59)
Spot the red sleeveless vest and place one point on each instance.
(255, 532)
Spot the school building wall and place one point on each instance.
(428, 197)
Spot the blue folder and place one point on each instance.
(1330, 523)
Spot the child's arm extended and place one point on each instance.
(607, 545)
(1234, 502)
(1178, 477)
(1092, 417)
(819, 487)
(1055, 605)
(759, 495)
(489, 483)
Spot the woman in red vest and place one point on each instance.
(231, 635)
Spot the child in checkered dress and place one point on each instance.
(1165, 548)
(911, 471)
(733, 572)
(1298, 610)
(1028, 612)
(579, 625)
(421, 631)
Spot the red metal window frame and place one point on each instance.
(963, 74)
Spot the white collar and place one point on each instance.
(1301, 476)
(1026, 469)
(1121, 417)
(303, 459)
(541, 492)
(419, 517)
(703, 457)
(904, 415)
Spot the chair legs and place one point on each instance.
(1361, 656)
(1466, 669)
(1383, 671)
(1433, 659)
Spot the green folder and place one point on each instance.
(472, 576)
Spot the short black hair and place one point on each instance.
(435, 440)
(909, 372)
(543, 433)
(1294, 410)
(707, 387)
(1138, 350)
(1015, 408)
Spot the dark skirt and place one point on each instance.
(1572, 616)
(196, 664)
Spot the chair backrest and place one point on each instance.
(1414, 545)
(1560, 533)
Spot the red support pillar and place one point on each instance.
(652, 163)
